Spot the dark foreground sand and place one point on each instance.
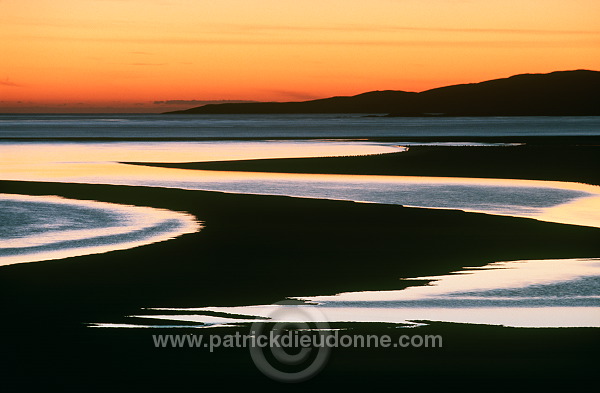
(260, 249)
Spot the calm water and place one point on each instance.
(532, 293)
(38, 228)
(554, 293)
(100, 163)
(284, 126)
(45, 228)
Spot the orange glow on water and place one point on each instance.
(63, 55)
(98, 163)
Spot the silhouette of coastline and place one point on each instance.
(560, 93)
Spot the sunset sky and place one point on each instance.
(139, 55)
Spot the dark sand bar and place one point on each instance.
(258, 250)
(536, 158)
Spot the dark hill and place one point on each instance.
(565, 93)
(371, 102)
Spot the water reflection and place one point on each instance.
(553, 201)
(39, 228)
(562, 202)
(531, 293)
(14, 153)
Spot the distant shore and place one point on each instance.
(560, 93)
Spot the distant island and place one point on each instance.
(560, 93)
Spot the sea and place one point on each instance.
(143, 126)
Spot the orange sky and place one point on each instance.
(122, 55)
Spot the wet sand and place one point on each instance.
(260, 249)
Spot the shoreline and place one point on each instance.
(318, 231)
(259, 249)
(392, 223)
(249, 253)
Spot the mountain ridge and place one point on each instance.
(559, 93)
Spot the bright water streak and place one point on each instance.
(45, 228)
(561, 202)
(49, 227)
(531, 293)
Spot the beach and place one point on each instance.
(286, 196)
(258, 249)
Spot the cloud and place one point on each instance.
(392, 29)
(199, 102)
(8, 83)
(290, 94)
(394, 42)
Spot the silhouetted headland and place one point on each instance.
(561, 93)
